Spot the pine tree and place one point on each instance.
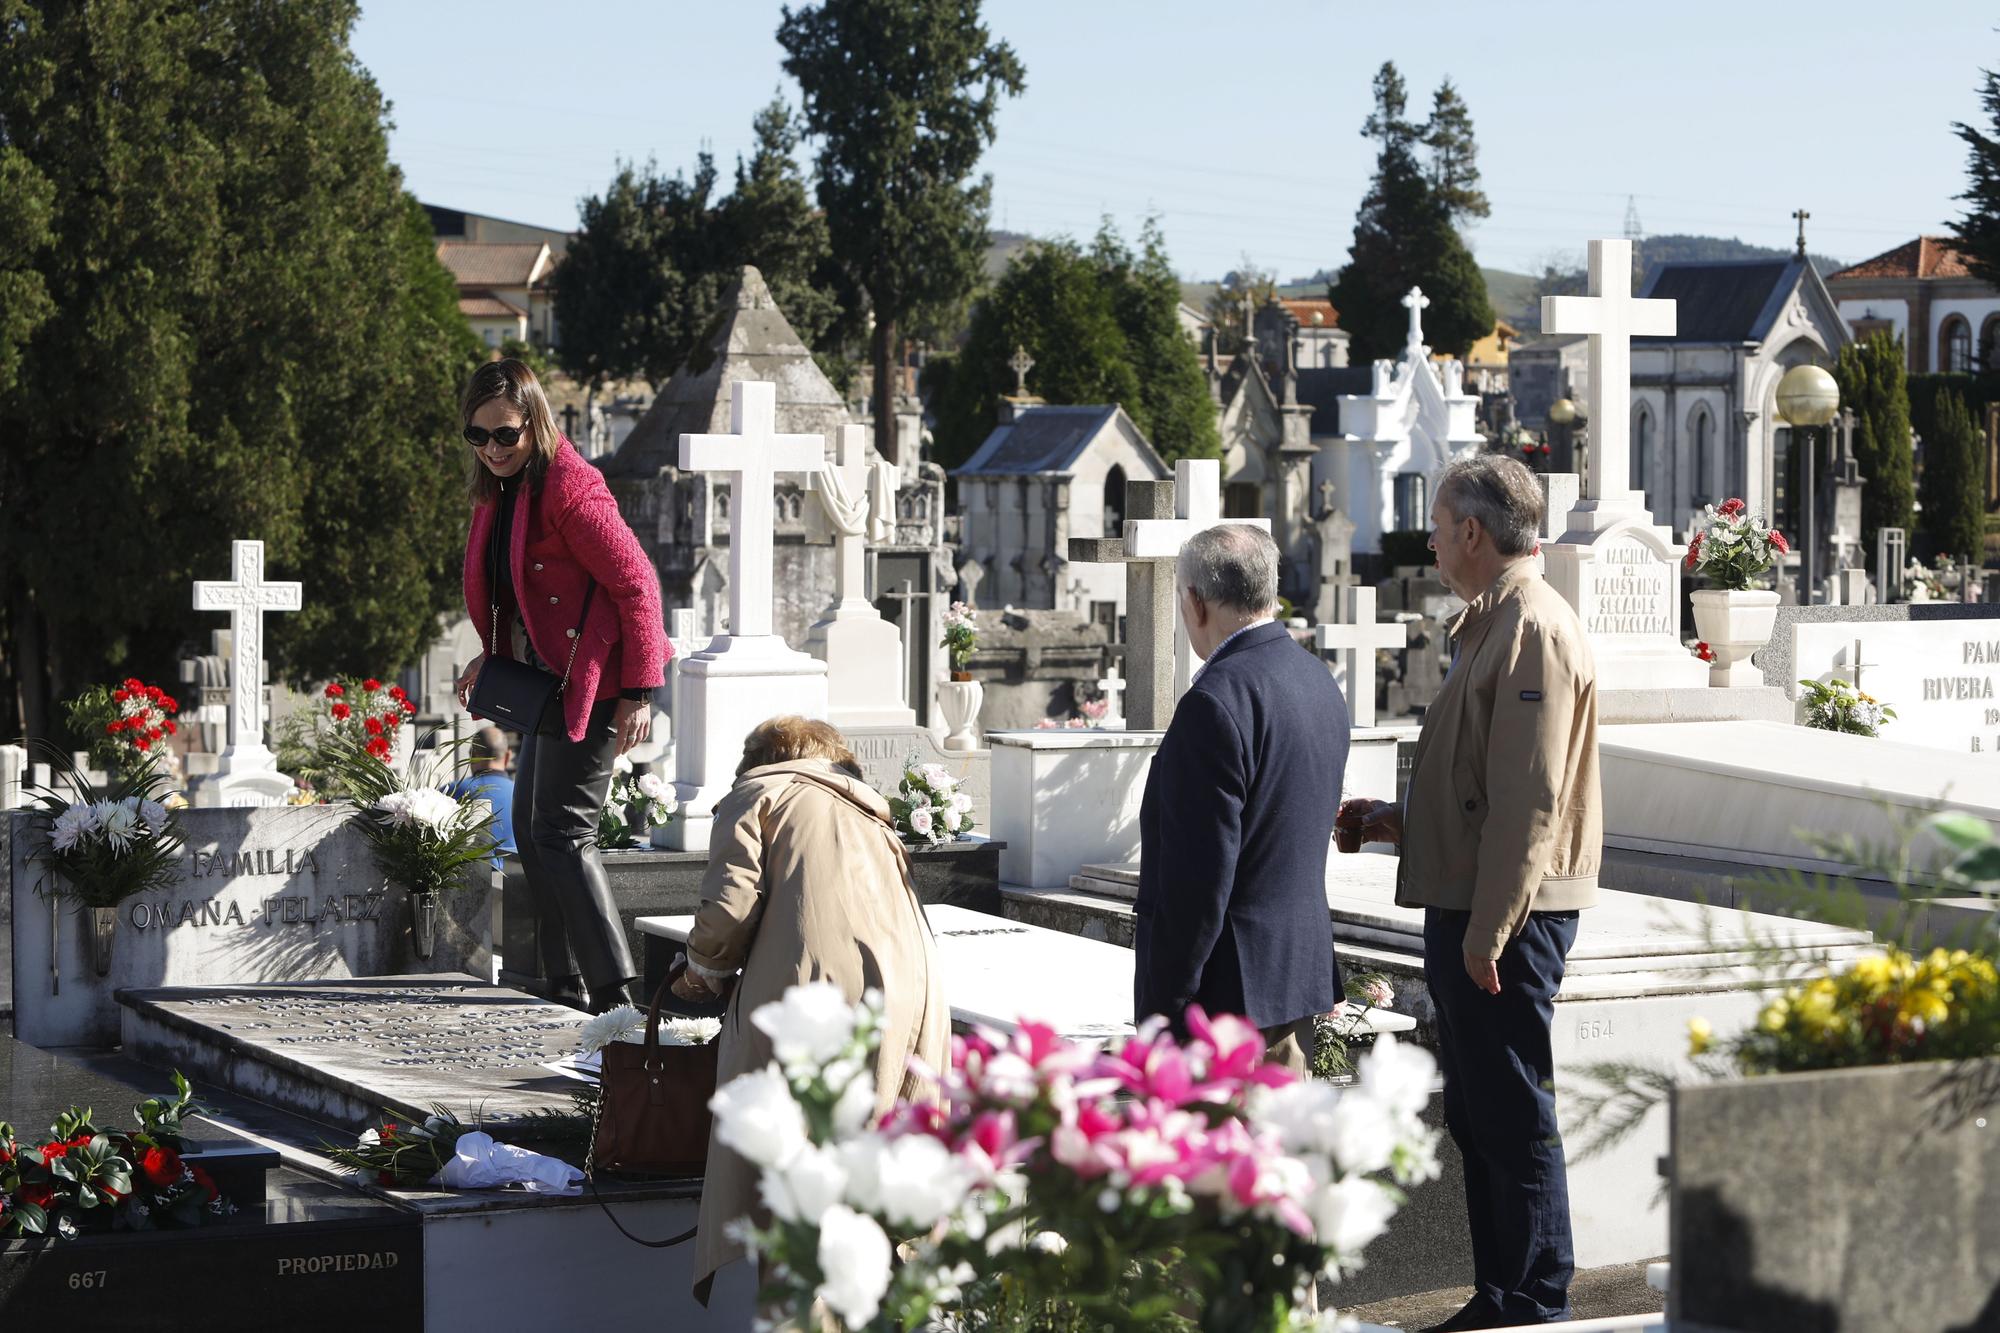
(1873, 382)
(246, 333)
(1978, 232)
(901, 96)
(1953, 489)
(1454, 164)
(1174, 408)
(1404, 238)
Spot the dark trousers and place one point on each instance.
(559, 787)
(1500, 1106)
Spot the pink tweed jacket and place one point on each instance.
(567, 532)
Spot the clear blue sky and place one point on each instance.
(1238, 123)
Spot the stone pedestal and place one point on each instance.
(1623, 576)
(864, 674)
(243, 789)
(724, 691)
(1063, 799)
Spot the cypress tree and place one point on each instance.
(1953, 488)
(1874, 383)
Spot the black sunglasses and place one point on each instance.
(506, 436)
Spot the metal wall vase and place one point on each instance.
(103, 929)
(423, 924)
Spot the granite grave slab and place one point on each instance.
(341, 1052)
(1941, 676)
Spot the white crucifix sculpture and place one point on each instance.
(851, 636)
(1197, 508)
(1112, 687)
(246, 597)
(1609, 317)
(751, 456)
(1353, 641)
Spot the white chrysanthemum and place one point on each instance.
(72, 826)
(431, 807)
(624, 1023)
(395, 807)
(154, 814)
(119, 822)
(688, 1031)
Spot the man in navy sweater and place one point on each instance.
(1239, 809)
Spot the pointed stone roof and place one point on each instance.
(751, 340)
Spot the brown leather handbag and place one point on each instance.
(652, 1104)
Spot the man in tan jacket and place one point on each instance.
(1501, 830)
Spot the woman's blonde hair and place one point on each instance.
(513, 383)
(785, 739)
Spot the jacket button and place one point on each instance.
(538, 566)
(1472, 805)
(554, 600)
(571, 633)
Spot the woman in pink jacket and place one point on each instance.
(554, 578)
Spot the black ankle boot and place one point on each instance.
(606, 999)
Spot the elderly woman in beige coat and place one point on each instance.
(807, 881)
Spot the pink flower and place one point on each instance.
(1731, 508)
(1778, 541)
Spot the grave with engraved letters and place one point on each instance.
(265, 894)
(1941, 676)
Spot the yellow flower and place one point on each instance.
(1773, 1018)
(1924, 1005)
(1875, 973)
(1700, 1036)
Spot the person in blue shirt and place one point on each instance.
(489, 781)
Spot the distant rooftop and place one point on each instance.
(1925, 257)
(1047, 440)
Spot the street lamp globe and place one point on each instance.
(1807, 396)
(1562, 411)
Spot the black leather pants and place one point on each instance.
(559, 787)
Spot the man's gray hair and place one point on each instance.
(1501, 494)
(1234, 565)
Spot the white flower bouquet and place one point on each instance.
(627, 1023)
(1060, 1185)
(422, 835)
(102, 847)
(648, 795)
(1837, 706)
(928, 807)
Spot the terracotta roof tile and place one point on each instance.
(1925, 257)
(1304, 308)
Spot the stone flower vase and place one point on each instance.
(959, 701)
(1734, 624)
(423, 924)
(103, 929)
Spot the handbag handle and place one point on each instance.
(652, 1042)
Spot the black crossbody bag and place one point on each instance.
(511, 692)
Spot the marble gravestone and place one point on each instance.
(1941, 676)
(851, 636)
(277, 894)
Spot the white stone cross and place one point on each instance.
(1197, 508)
(1611, 317)
(246, 597)
(1112, 686)
(842, 490)
(1416, 303)
(1354, 641)
(751, 456)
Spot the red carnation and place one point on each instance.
(113, 728)
(396, 692)
(154, 733)
(371, 684)
(141, 743)
(120, 696)
(134, 683)
(334, 691)
(379, 748)
(155, 693)
(161, 1167)
(171, 704)
(340, 712)
(389, 1131)
(1704, 652)
(1778, 541)
(409, 707)
(169, 725)
(206, 1182)
(374, 725)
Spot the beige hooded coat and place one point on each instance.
(807, 881)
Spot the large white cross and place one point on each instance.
(751, 456)
(1112, 687)
(1354, 640)
(246, 597)
(1611, 317)
(1197, 508)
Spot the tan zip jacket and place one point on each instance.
(1504, 816)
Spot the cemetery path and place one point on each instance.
(1595, 1293)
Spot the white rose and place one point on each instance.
(856, 1106)
(961, 802)
(755, 1115)
(854, 1254)
(937, 776)
(811, 1023)
(1349, 1213)
(652, 786)
(805, 1187)
(920, 821)
(917, 1180)
(1399, 1075)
